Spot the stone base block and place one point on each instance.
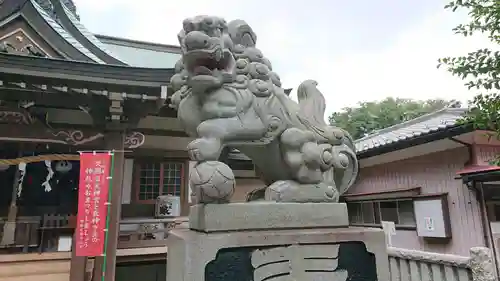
(267, 215)
(340, 254)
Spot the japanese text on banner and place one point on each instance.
(92, 198)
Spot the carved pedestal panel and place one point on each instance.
(328, 262)
(277, 254)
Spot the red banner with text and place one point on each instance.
(93, 191)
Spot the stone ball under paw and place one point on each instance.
(213, 182)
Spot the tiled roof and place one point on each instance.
(63, 33)
(142, 54)
(143, 57)
(71, 14)
(429, 123)
(71, 7)
(63, 20)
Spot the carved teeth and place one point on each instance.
(218, 55)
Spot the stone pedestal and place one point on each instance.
(275, 242)
(266, 215)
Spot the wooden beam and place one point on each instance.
(78, 74)
(42, 134)
(157, 153)
(78, 264)
(97, 270)
(156, 125)
(9, 228)
(114, 141)
(50, 96)
(15, 116)
(63, 136)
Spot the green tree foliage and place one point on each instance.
(368, 117)
(481, 68)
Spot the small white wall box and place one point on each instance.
(64, 243)
(432, 215)
(168, 206)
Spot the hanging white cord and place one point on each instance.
(22, 171)
(46, 183)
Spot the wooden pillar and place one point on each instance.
(9, 228)
(97, 270)
(114, 141)
(78, 264)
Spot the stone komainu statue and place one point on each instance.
(227, 94)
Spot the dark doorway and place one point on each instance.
(147, 270)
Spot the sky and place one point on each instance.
(357, 52)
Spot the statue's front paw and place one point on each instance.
(195, 154)
(204, 149)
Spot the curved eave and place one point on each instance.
(85, 37)
(115, 78)
(9, 8)
(55, 35)
(442, 133)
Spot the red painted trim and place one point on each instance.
(471, 169)
(136, 181)
(384, 192)
(430, 195)
(487, 145)
(162, 176)
(402, 198)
